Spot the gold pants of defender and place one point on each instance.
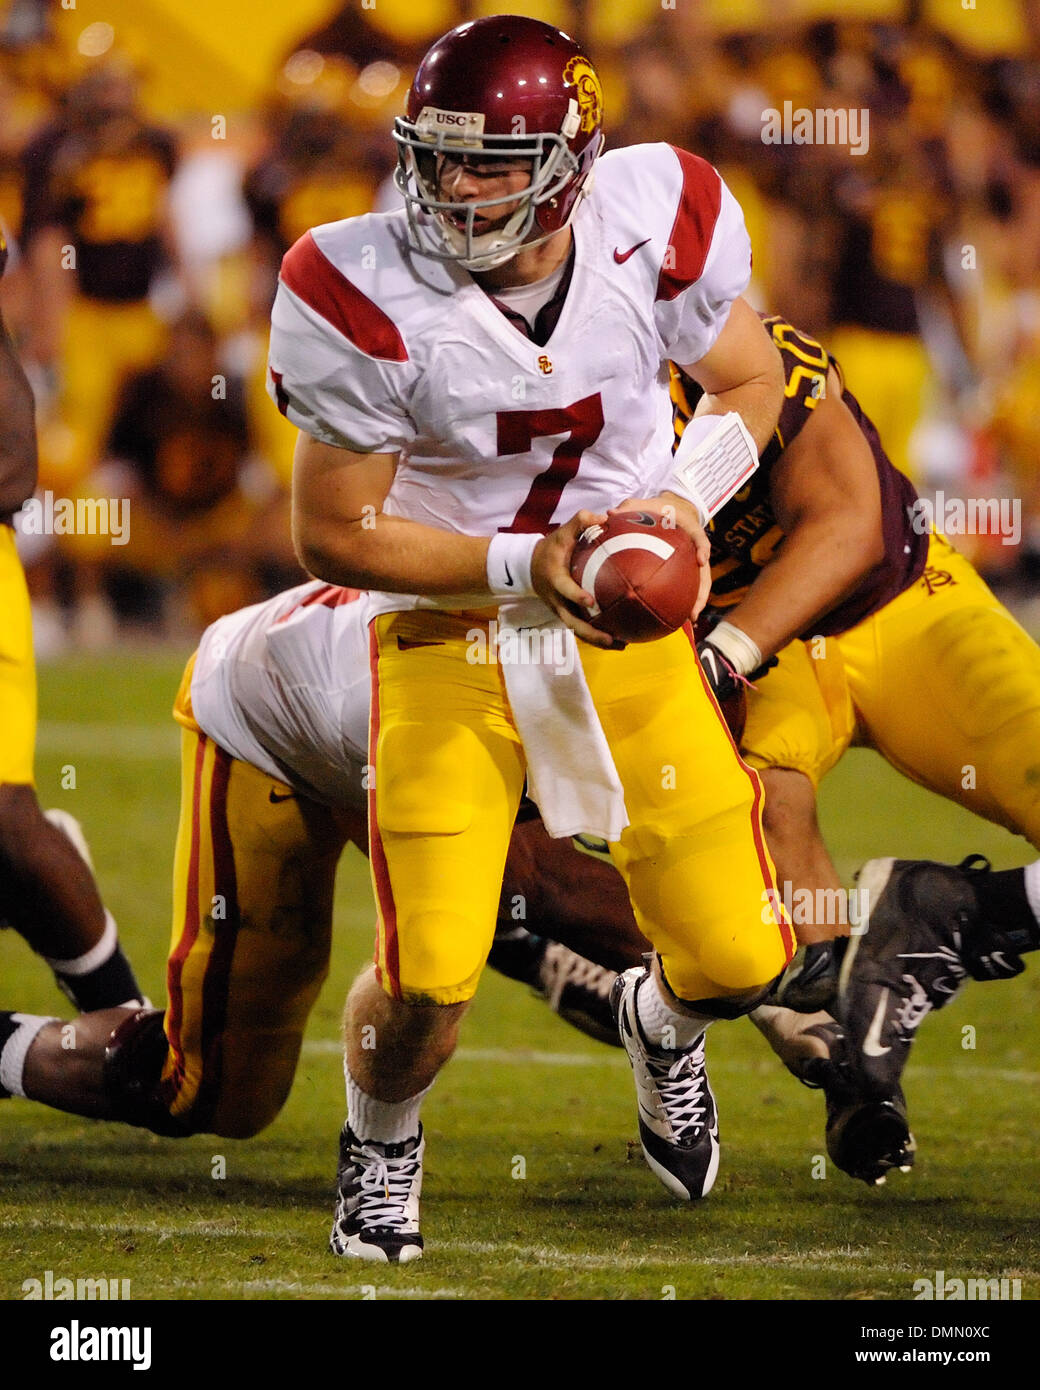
(943, 682)
(449, 771)
(17, 669)
(254, 872)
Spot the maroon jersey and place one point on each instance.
(109, 202)
(745, 534)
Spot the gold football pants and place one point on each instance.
(449, 771)
(943, 682)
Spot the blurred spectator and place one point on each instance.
(94, 234)
(917, 261)
(206, 522)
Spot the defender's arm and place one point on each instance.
(827, 500)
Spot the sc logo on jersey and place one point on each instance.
(545, 365)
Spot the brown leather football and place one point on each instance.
(642, 570)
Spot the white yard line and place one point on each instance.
(525, 1057)
(842, 1257)
(356, 1292)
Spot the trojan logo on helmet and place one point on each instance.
(502, 87)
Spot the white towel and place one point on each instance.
(570, 769)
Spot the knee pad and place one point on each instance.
(134, 1058)
(442, 956)
(739, 964)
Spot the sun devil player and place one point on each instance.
(468, 372)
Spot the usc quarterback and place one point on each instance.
(478, 377)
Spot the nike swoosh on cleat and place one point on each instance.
(622, 256)
(872, 1042)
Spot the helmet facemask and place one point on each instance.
(434, 233)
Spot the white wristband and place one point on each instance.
(509, 564)
(737, 647)
(715, 458)
(682, 488)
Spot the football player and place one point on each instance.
(876, 633)
(431, 356)
(274, 709)
(47, 892)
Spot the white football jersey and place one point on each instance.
(376, 348)
(286, 685)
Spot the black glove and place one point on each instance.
(723, 679)
(727, 687)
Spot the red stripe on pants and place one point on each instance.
(376, 854)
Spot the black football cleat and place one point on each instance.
(377, 1201)
(920, 938)
(574, 987)
(810, 981)
(579, 991)
(867, 1136)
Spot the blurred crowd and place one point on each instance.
(146, 253)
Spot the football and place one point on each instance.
(642, 572)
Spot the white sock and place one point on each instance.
(662, 1025)
(382, 1121)
(1032, 873)
(14, 1050)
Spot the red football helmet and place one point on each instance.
(499, 87)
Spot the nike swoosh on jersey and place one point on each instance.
(275, 797)
(872, 1042)
(622, 256)
(406, 644)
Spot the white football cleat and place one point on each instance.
(678, 1120)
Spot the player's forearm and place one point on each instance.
(393, 555)
(757, 401)
(17, 430)
(819, 564)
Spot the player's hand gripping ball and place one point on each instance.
(642, 572)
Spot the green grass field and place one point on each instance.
(587, 1220)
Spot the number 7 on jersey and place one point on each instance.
(517, 431)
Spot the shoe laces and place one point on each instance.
(947, 985)
(682, 1087)
(384, 1186)
(562, 967)
(913, 1008)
